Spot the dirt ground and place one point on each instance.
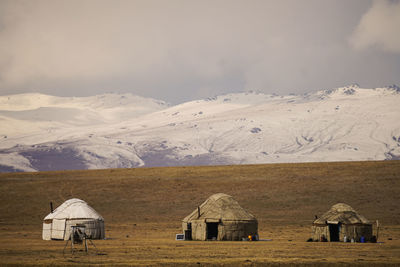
(153, 244)
(143, 209)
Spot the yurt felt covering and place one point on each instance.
(73, 212)
(220, 217)
(339, 222)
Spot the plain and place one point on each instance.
(143, 209)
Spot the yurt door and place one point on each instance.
(58, 229)
(212, 230)
(334, 232)
(188, 232)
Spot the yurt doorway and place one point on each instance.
(212, 230)
(334, 232)
(188, 232)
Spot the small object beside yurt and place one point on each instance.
(73, 212)
(342, 223)
(220, 217)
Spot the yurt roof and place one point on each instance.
(342, 213)
(220, 207)
(74, 209)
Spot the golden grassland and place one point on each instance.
(143, 209)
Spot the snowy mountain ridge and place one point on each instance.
(41, 132)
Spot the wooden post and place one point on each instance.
(377, 230)
(198, 212)
(72, 239)
(86, 247)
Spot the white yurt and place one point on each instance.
(73, 212)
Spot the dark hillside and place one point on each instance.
(274, 193)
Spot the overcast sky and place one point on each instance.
(179, 50)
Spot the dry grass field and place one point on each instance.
(143, 209)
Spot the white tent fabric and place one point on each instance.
(57, 225)
(74, 209)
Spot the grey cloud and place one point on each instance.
(379, 27)
(179, 50)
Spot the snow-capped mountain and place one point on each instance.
(41, 132)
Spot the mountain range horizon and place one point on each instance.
(42, 132)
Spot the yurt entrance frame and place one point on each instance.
(334, 230)
(188, 232)
(212, 230)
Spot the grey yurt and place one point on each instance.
(342, 223)
(220, 217)
(74, 212)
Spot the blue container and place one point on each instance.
(362, 239)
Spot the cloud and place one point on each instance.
(178, 50)
(147, 45)
(379, 27)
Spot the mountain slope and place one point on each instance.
(343, 124)
(25, 114)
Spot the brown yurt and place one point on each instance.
(341, 223)
(220, 217)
